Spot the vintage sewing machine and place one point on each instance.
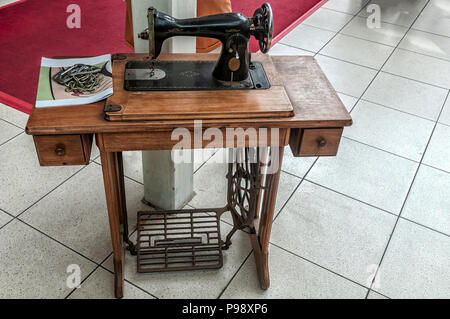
(234, 68)
(287, 96)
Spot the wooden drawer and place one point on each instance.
(56, 150)
(314, 142)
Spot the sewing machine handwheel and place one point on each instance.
(264, 45)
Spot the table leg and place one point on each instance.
(260, 240)
(123, 205)
(111, 178)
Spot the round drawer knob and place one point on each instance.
(322, 142)
(60, 150)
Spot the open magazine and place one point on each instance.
(52, 93)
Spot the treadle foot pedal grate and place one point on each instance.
(178, 240)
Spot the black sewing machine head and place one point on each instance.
(234, 68)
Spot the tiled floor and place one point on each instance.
(373, 222)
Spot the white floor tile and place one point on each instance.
(445, 115)
(132, 165)
(367, 174)
(419, 67)
(307, 38)
(282, 49)
(8, 131)
(328, 19)
(291, 277)
(416, 264)
(438, 151)
(13, 116)
(286, 187)
(429, 199)
(357, 51)
(349, 6)
(298, 166)
(406, 95)
(334, 231)
(33, 265)
(4, 218)
(393, 131)
(346, 77)
(202, 155)
(401, 12)
(427, 43)
(191, 284)
(100, 285)
(75, 213)
(23, 180)
(210, 183)
(389, 34)
(349, 101)
(434, 18)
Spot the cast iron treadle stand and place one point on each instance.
(190, 239)
(244, 186)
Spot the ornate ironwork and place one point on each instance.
(244, 185)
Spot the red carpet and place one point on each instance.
(35, 28)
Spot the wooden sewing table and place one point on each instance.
(63, 136)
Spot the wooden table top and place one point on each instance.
(314, 101)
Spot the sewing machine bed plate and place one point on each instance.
(187, 75)
(160, 105)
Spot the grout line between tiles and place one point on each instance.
(295, 190)
(400, 25)
(380, 149)
(12, 124)
(234, 275)
(294, 47)
(353, 14)
(405, 77)
(367, 67)
(346, 61)
(57, 241)
(89, 275)
(338, 32)
(320, 266)
(127, 177)
(407, 194)
(376, 75)
(353, 198)
(380, 294)
(429, 32)
(424, 54)
(437, 168)
(207, 160)
(42, 197)
(425, 226)
(375, 42)
(395, 109)
(329, 9)
(395, 47)
(10, 139)
(371, 205)
(53, 189)
(128, 281)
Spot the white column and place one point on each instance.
(166, 185)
